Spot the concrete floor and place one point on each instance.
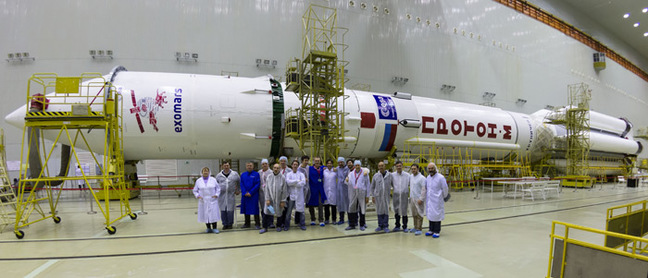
(490, 236)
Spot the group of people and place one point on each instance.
(333, 190)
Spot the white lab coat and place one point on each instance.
(417, 185)
(296, 183)
(358, 186)
(380, 188)
(330, 186)
(264, 176)
(401, 192)
(276, 191)
(230, 185)
(208, 210)
(435, 190)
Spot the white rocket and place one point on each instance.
(191, 116)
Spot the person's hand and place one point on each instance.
(346, 180)
(373, 200)
(366, 200)
(248, 195)
(199, 198)
(215, 196)
(420, 202)
(237, 192)
(267, 202)
(282, 205)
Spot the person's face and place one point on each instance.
(305, 162)
(350, 165)
(226, 167)
(205, 172)
(399, 167)
(295, 165)
(329, 164)
(265, 166)
(414, 170)
(431, 168)
(283, 163)
(249, 167)
(381, 166)
(357, 167)
(275, 168)
(340, 164)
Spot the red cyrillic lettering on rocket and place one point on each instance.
(507, 132)
(491, 131)
(455, 127)
(468, 128)
(441, 127)
(428, 122)
(481, 129)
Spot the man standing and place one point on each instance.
(303, 168)
(296, 182)
(283, 165)
(401, 195)
(250, 183)
(264, 173)
(342, 189)
(276, 192)
(358, 183)
(229, 182)
(380, 188)
(436, 189)
(417, 186)
(317, 195)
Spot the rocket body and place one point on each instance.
(189, 116)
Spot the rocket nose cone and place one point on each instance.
(16, 118)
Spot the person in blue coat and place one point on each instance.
(250, 182)
(317, 194)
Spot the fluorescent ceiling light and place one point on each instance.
(636, 24)
(645, 10)
(626, 15)
(646, 34)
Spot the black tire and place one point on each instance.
(56, 219)
(133, 216)
(20, 234)
(111, 230)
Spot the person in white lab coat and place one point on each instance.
(296, 182)
(436, 190)
(207, 191)
(264, 172)
(358, 183)
(330, 190)
(342, 190)
(276, 192)
(230, 183)
(417, 185)
(381, 185)
(400, 196)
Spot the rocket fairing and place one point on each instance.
(191, 116)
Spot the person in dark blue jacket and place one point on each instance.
(250, 182)
(317, 194)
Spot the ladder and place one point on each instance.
(7, 196)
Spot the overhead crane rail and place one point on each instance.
(76, 111)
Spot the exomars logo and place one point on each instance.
(177, 110)
(457, 127)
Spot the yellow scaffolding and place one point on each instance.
(86, 114)
(7, 196)
(318, 80)
(462, 167)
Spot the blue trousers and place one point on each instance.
(383, 221)
(227, 217)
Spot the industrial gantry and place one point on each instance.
(318, 80)
(76, 111)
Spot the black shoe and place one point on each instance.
(247, 226)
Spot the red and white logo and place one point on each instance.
(147, 108)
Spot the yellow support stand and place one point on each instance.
(7, 196)
(85, 115)
(318, 80)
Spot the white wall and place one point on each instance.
(527, 60)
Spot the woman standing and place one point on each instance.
(207, 191)
(330, 190)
